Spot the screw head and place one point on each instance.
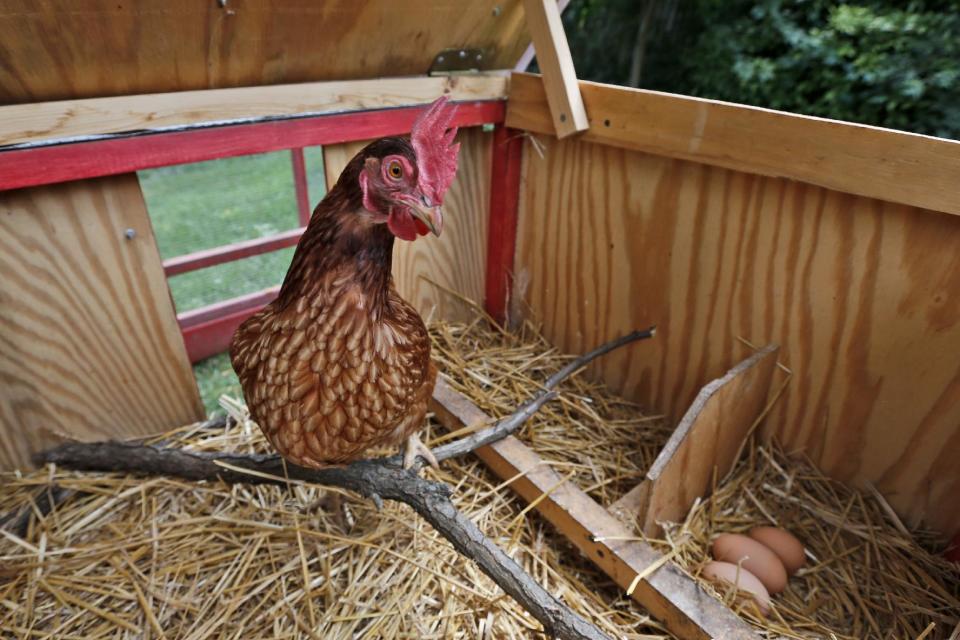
(463, 54)
(130, 234)
(439, 58)
(497, 10)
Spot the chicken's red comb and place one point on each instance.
(432, 140)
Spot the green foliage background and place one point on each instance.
(892, 64)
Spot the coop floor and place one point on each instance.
(163, 558)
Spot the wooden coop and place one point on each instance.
(803, 274)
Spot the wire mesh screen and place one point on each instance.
(209, 204)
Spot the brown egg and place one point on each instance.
(784, 544)
(754, 557)
(744, 581)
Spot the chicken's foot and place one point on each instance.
(412, 448)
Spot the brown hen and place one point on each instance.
(339, 362)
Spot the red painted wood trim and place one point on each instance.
(75, 161)
(300, 185)
(196, 317)
(230, 252)
(504, 206)
(208, 331)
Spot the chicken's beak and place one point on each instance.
(429, 214)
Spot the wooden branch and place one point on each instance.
(376, 479)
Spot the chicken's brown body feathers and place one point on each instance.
(339, 362)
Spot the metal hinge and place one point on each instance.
(459, 61)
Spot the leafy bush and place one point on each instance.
(893, 64)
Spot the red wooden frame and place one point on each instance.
(230, 252)
(51, 164)
(207, 331)
(504, 204)
(300, 185)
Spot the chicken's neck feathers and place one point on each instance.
(338, 246)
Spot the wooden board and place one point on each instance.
(705, 444)
(81, 119)
(896, 166)
(862, 295)
(670, 595)
(457, 259)
(90, 344)
(556, 63)
(61, 49)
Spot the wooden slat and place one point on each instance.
(457, 259)
(80, 119)
(556, 63)
(863, 297)
(301, 185)
(203, 315)
(502, 233)
(90, 346)
(208, 331)
(669, 594)
(24, 167)
(229, 252)
(869, 161)
(704, 446)
(63, 49)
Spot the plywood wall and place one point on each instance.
(862, 295)
(61, 49)
(89, 345)
(457, 259)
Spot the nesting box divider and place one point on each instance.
(705, 445)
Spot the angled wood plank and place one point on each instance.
(670, 595)
(556, 63)
(89, 345)
(896, 166)
(705, 443)
(81, 119)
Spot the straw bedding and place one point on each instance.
(127, 557)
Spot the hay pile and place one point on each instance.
(164, 558)
(867, 575)
(204, 560)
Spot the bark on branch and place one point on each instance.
(376, 479)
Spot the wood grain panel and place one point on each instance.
(61, 49)
(89, 345)
(870, 161)
(79, 119)
(862, 295)
(705, 444)
(457, 259)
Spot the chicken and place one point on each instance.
(339, 362)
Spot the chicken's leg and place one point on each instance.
(413, 448)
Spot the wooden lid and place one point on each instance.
(62, 49)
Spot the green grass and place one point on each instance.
(207, 204)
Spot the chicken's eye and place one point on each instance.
(395, 170)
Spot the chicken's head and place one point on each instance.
(403, 182)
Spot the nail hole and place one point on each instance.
(606, 123)
(563, 117)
